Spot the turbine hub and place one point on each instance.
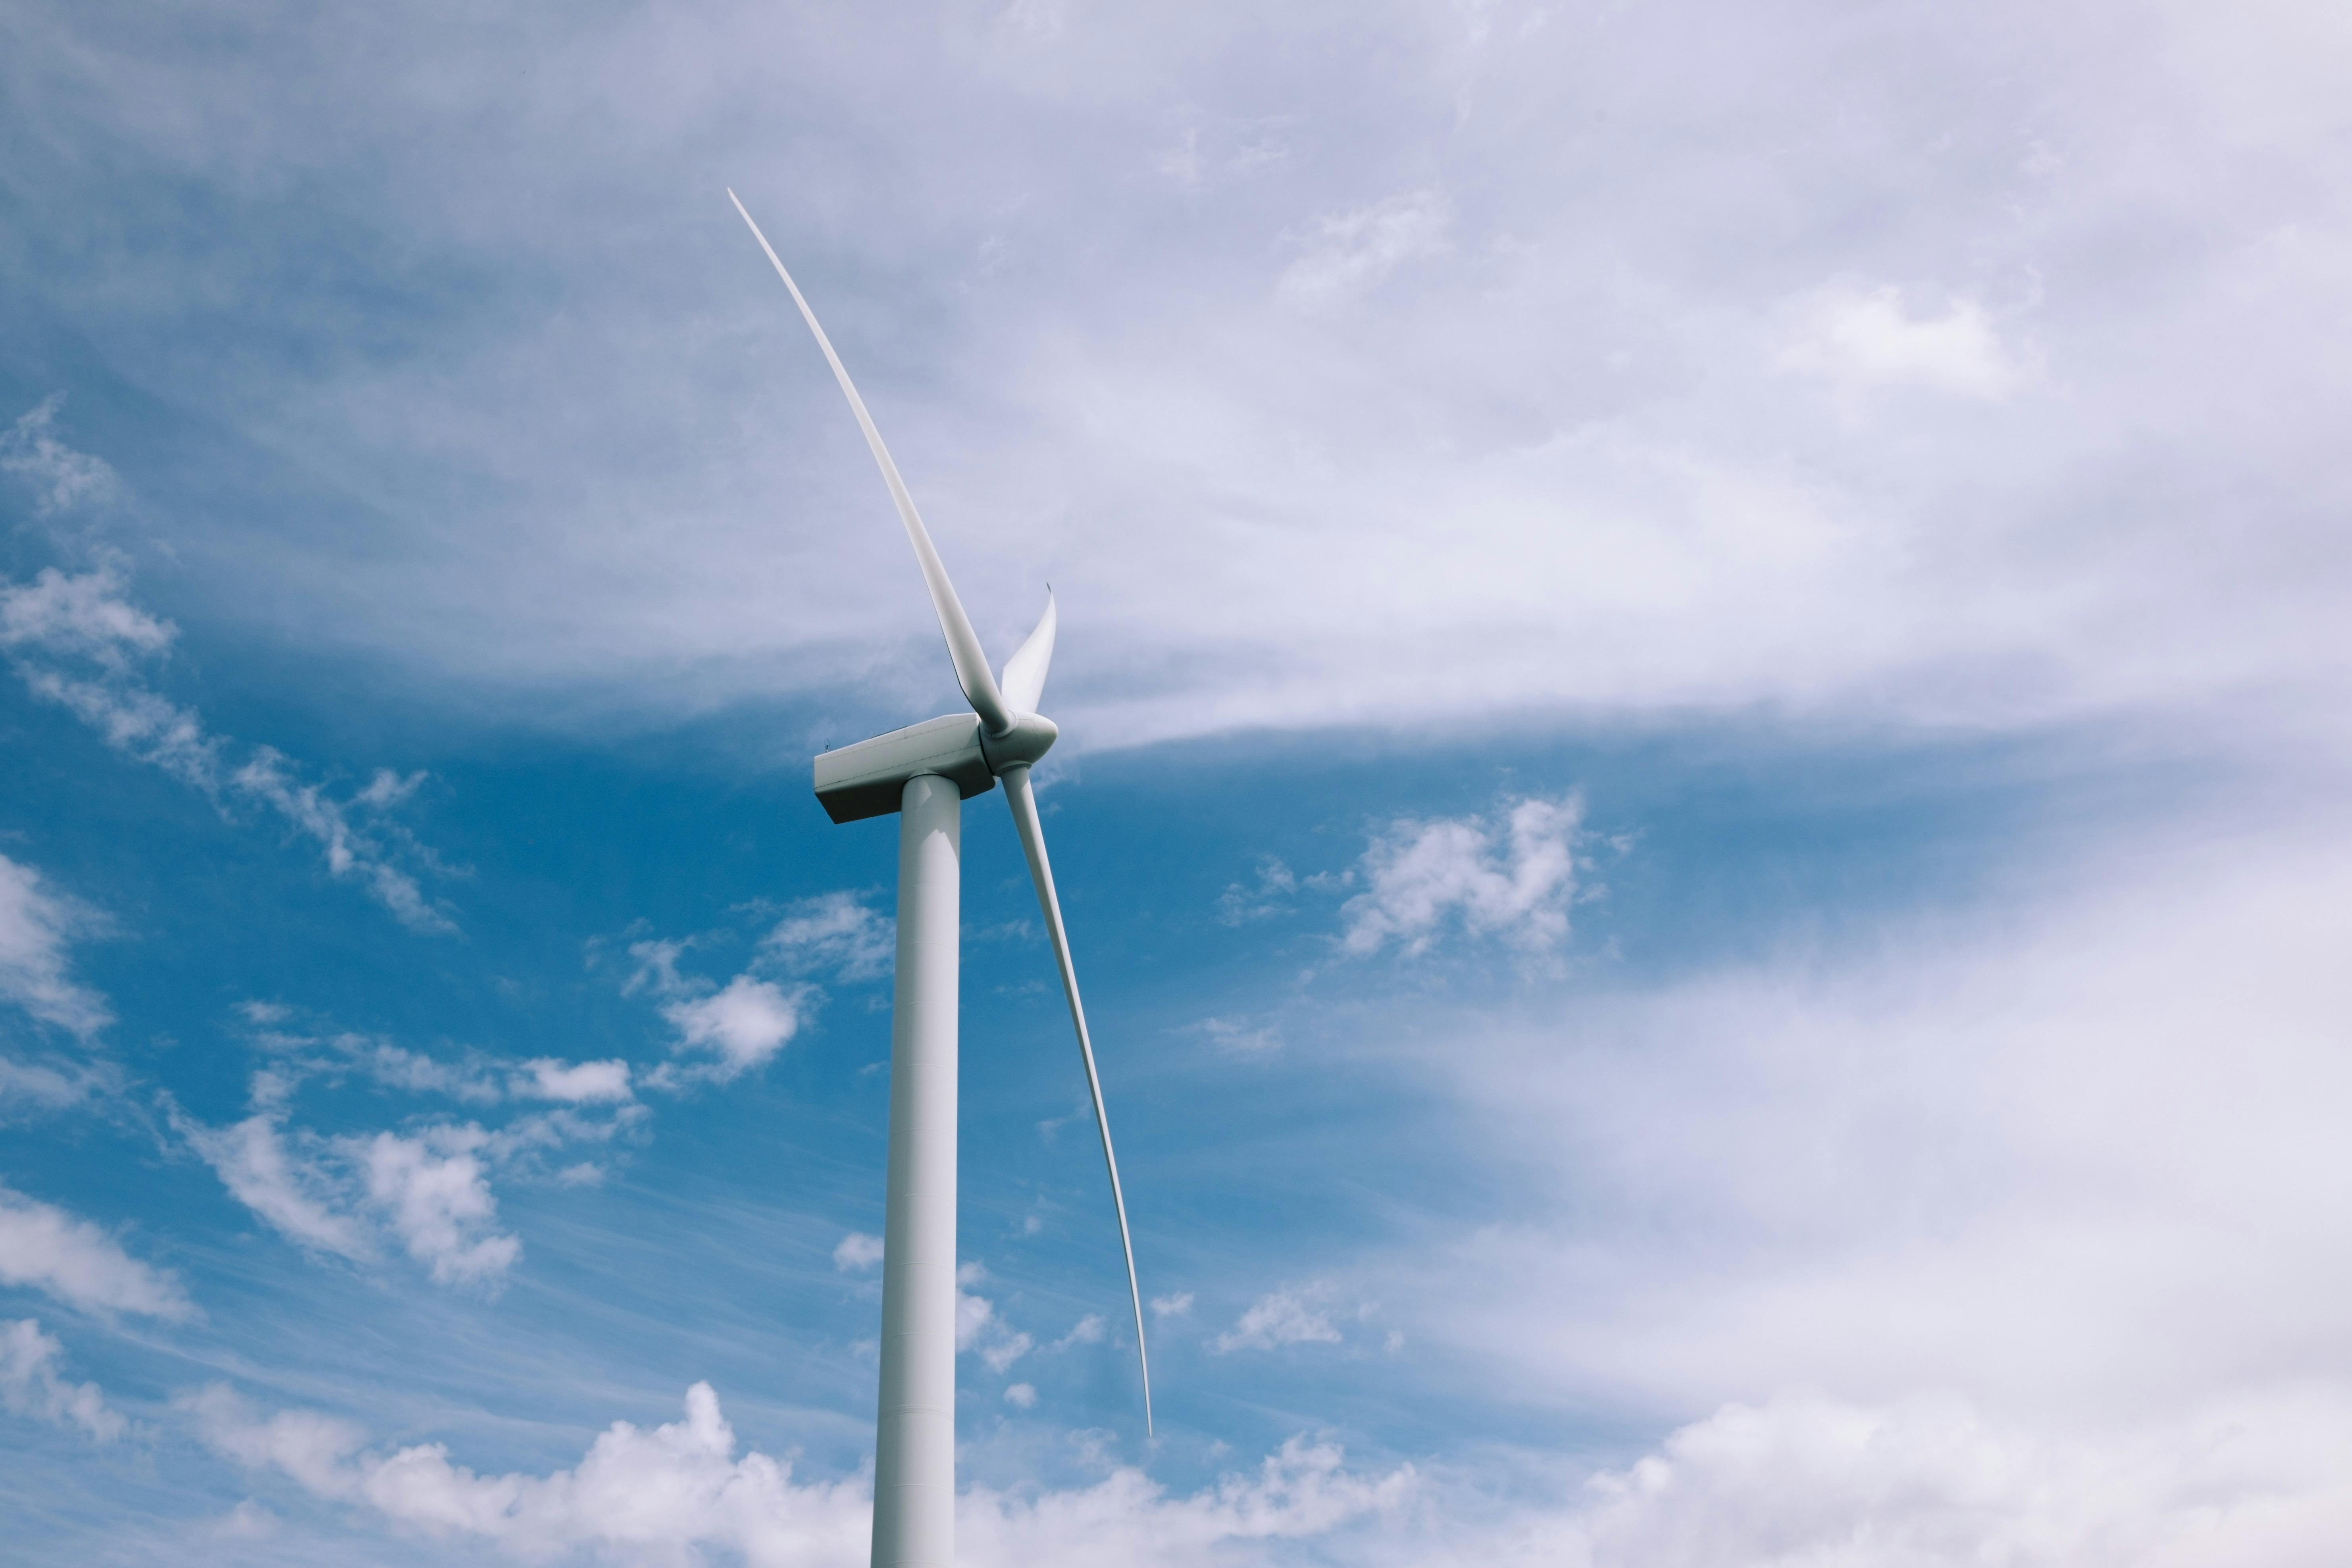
(1031, 737)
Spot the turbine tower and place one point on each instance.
(925, 773)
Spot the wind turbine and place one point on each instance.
(925, 773)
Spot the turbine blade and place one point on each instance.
(1041, 871)
(1025, 673)
(963, 643)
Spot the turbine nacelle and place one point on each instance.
(869, 778)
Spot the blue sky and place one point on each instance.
(1700, 793)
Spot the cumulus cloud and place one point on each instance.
(1799, 1478)
(835, 931)
(581, 1083)
(1172, 1306)
(743, 1024)
(1290, 1316)
(76, 639)
(43, 1246)
(437, 1198)
(36, 926)
(746, 1022)
(975, 1315)
(423, 1190)
(858, 1251)
(29, 1383)
(681, 1489)
(637, 1495)
(1090, 1330)
(1004, 1349)
(1866, 338)
(1510, 876)
(979, 1328)
(426, 1191)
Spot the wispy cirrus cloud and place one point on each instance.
(37, 925)
(61, 478)
(77, 639)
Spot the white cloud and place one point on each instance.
(1804, 1479)
(578, 1082)
(29, 1383)
(637, 1495)
(313, 1448)
(746, 1023)
(425, 1190)
(83, 616)
(1565, 476)
(52, 1086)
(2040, 1196)
(396, 1066)
(75, 640)
(1798, 1480)
(1511, 875)
(1003, 1350)
(1303, 1491)
(61, 478)
(1289, 1316)
(437, 1198)
(43, 1246)
(858, 1251)
(979, 1328)
(670, 1494)
(835, 931)
(1243, 1037)
(1865, 338)
(975, 1315)
(1090, 1330)
(286, 1186)
(140, 724)
(1346, 253)
(35, 926)
(1175, 1306)
(1243, 903)
(351, 850)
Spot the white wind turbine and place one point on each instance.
(924, 773)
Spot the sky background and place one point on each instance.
(1701, 795)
